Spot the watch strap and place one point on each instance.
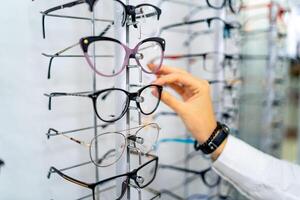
(220, 133)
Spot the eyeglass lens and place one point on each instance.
(146, 19)
(147, 52)
(111, 97)
(148, 101)
(108, 49)
(146, 174)
(110, 147)
(147, 137)
(111, 193)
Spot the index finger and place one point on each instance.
(165, 69)
(176, 78)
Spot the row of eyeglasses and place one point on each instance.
(107, 148)
(148, 54)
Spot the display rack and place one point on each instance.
(97, 174)
(123, 34)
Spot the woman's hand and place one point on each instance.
(195, 107)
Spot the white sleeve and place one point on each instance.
(258, 175)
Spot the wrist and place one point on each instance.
(203, 137)
(215, 155)
(215, 143)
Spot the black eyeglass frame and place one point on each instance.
(131, 97)
(200, 173)
(130, 175)
(130, 10)
(228, 26)
(225, 2)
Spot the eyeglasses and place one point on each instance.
(109, 152)
(208, 176)
(143, 53)
(106, 48)
(141, 176)
(213, 22)
(142, 13)
(213, 62)
(102, 100)
(223, 60)
(234, 5)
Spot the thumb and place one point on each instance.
(172, 102)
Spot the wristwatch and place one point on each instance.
(220, 133)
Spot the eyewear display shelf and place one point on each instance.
(123, 165)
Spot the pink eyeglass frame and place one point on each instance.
(130, 53)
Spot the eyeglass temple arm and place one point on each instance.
(180, 56)
(153, 191)
(157, 13)
(77, 141)
(59, 94)
(75, 166)
(181, 24)
(53, 132)
(68, 48)
(56, 55)
(208, 20)
(68, 178)
(194, 11)
(106, 29)
(205, 32)
(67, 5)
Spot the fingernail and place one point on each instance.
(154, 93)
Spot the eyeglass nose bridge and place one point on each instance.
(135, 55)
(136, 139)
(136, 97)
(131, 10)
